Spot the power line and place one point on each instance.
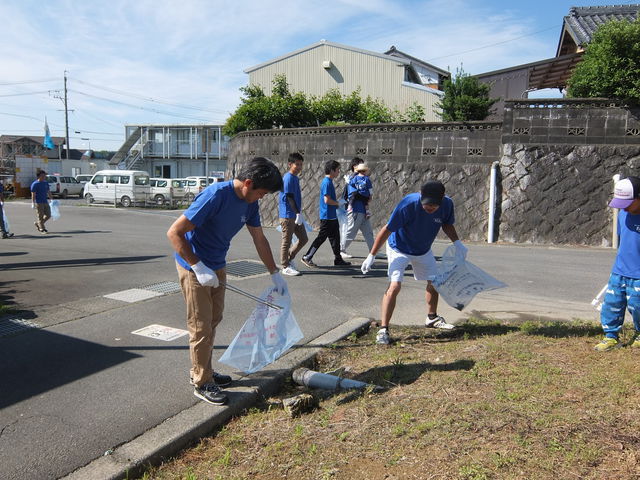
(150, 99)
(30, 81)
(493, 44)
(172, 114)
(25, 93)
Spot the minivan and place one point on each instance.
(126, 187)
(194, 185)
(84, 177)
(166, 190)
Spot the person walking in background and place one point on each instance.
(40, 197)
(201, 237)
(411, 230)
(623, 289)
(345, 197)
(3, 230)
(290, 212)
(328, 219)
(360, 190)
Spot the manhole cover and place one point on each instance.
(245, 268)
(163, 287)
(11, 326)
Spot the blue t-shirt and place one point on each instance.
(218, 214)
(41, 190)
(414, 230)
(292, 186)
(327, 212)
(362, 185)
(627, 261)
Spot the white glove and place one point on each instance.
(299, 219)
(367, 264)
(280, 284)
(33, 205)
(461, 250)
(206, 277)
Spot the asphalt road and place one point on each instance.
(84, 383)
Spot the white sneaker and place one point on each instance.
(345, 255)
(292, 272)
(383, 337)
(438, 322)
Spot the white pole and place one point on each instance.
(614, 233)
(492, 201)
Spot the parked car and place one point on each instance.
(61, 186)
(126, 187)
(84, 177)
(194, 185)
(165, 190)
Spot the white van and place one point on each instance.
(126, 187)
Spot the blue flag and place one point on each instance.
(48, 142)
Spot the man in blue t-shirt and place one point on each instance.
(201, 237)
(291, 220)
(360, 190)
(623, 289)
(411, 229)
(40, 197)
(329, 227)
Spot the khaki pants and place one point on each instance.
(289, 227)
(204, 312)
(43, 213)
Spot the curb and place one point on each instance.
(177, 432)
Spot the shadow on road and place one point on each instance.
(79, 262)
(38, 361)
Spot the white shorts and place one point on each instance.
(424, 266)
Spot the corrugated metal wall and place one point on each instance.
(377, 77)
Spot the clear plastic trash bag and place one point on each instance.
(265, 336)
(6, 221)
(55, 209)
(458, 281)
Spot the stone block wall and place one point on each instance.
(556, 162)
(401, 158)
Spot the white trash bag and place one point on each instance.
(55, 209)
(265, 336)
(5, 219)
(458, 281)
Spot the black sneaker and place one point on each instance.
(221, 380)
(36, 224)
(210, 393)
(308, 262)
(7, 235)
(341, 262)
(217, 378)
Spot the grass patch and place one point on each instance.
(488, 401)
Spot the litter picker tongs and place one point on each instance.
(248, 295)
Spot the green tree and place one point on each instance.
(465, 99)
(611, 64)
(282, 108)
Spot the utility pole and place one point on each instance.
(66, 114)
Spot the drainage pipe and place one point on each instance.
(492, 201)
(614, 230)
(324, 381)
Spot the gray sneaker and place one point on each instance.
(438, 322)
(210, 393)
(383, 337)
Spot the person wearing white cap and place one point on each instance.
(623, 289)
(411, 230)
(358, 214)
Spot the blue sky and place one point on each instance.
(162, 61)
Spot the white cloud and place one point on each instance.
(194, 52)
